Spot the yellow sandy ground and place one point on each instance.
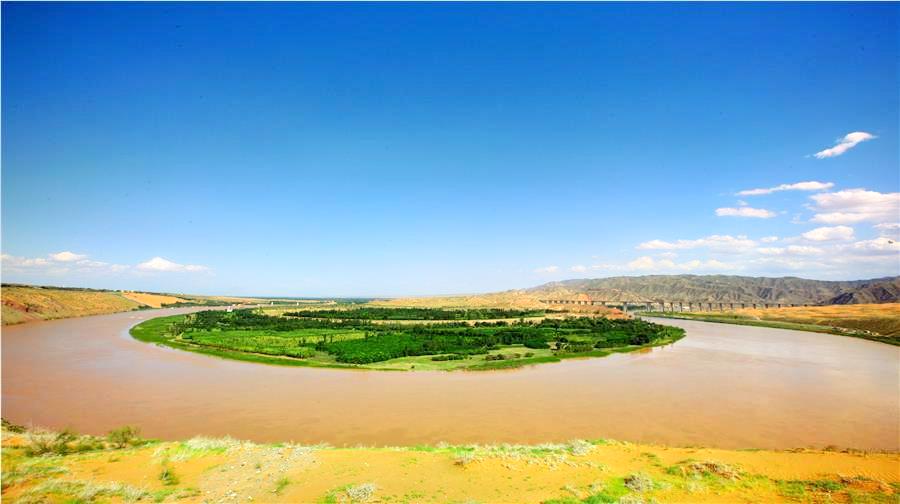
(229, 471)
(154, 300)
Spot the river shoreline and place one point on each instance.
(722, 386)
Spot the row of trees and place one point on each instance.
(377, 313)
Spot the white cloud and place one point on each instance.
(769, 239)
(745, 211)
(795, 250)
(67, 256)
(855, 205)
(160, 264)
(60, 263)
(717, 243)
(842, 145)
(829, 233)
(880, 244)
(10, 261)
(579, 268)
(811, 185)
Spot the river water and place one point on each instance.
(722, 385)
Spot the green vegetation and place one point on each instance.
(374, 313)
(357, 342)
(167, 476)
(281, 484)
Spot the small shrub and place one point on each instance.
(715, 468)
(361, 493)
(464, 459)
(168, 477)
(449, 357)
(11, 427)
(124, 436)
(50, 444)
(639, 482)
(580, 447)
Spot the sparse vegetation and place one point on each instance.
(281, 484)
(575, 472)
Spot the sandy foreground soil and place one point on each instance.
(224, 470)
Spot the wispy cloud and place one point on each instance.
(842, 145)
(547, 269)
(648, 264)
(579, 268)
(745, 211)
(889, 229)
(855, 205)
(165, 265)
(799, 186)
(799, 250)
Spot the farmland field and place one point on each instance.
(878, 322)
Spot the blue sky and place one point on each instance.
(400, 149)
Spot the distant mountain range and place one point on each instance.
(724, 288)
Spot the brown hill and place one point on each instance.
(723, 288)
(887, 291)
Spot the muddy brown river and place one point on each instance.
(723, 385)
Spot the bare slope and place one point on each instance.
(23, 304)
(886, 291)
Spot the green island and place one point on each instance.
(357, 341)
